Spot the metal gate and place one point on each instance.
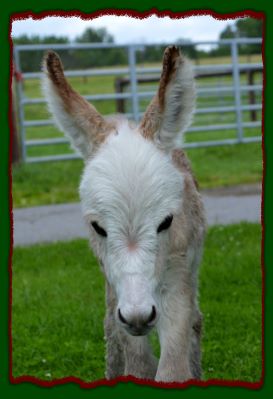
(135, 95)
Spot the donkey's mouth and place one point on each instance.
(137, 332)
(137, 323)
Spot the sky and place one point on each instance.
(127, 29)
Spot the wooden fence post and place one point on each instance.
(16, 147)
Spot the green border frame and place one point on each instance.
(123, 389)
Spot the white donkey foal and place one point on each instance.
(146, 220)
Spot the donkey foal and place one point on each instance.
(146, 220)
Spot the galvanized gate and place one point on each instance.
(134, 95)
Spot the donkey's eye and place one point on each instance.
(165, 224)
(99, 229)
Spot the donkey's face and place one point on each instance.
(130, 192)
(130, 189)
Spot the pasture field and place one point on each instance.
(58, 308)
(57, 182)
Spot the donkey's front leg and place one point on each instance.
(174, 329)
(114, 348)
(139, 359)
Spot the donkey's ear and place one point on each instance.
(78, 119)
(170, 112)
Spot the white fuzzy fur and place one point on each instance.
(124, 189)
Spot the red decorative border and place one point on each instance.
(139, 15)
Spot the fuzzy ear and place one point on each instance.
(170, 112)
(78, 119)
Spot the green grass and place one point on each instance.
(46, 183)
(60, 292)
(230, 292)
(58, 308)
(227, 165)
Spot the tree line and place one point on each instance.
(81, 59)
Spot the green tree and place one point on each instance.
(249, 27)
(244, 27)
(31, 60)
(99, 57)
(91, 35)
(228, 32)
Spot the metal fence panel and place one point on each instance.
(133, 72)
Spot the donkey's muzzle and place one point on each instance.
(138, 323)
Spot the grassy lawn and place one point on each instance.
(46, 183)
(58, 308)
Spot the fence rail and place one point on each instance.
(133, 75)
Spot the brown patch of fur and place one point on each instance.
(171, 59)
(152, 119)
(55, 69)
(188, 227)
(182, 162)
(85, 114)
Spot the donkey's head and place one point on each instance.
(131, 192)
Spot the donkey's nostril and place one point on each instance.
(122, 319)
(152, 316)
(138, 321)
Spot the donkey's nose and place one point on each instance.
(138, 323)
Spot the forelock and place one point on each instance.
(130, 178)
